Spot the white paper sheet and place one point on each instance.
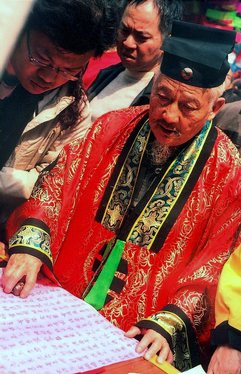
(197, 370)
(54, 332)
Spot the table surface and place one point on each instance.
(135, 366)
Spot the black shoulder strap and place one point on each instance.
(143, 98)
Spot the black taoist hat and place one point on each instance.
(197, 55)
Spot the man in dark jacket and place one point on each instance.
(143, 28)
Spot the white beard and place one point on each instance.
(159, 154)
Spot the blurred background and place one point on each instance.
(219, 14)
(216, 13)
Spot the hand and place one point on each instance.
(225, 360)
(3, 253)
(19, 266)
(156, 342)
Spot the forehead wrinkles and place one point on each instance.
(168, 84)
(136, 24)
(139, 17)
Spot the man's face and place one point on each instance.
(179, 111)
(139, 38)
(36, 78)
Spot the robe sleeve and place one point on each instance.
(31, 225)
(228, 302)
(32, 238)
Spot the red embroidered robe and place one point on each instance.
(173, 287)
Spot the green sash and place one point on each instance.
(97, 295)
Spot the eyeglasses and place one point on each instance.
(34, 61)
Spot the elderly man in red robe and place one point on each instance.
(136, 218)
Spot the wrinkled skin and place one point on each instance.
(225, 360)
(151, 343)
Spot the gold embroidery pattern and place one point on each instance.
(63, 175)
(124, 187)
(133, 295)
(104, 180)
(120, 276)
(207, 272)
(200, 306)
(32, 237)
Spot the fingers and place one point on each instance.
(28, 285)
(11, 277)
(170, 357)
(155, 346)
(159, 344)
(165, 353)
(225, 360)
(153, 342)
(3, 254)
(2, 248)
(21, 267)
(18, 288)
(132, 332)
(210, 367)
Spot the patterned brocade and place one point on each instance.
(125, 183)
(34, 239)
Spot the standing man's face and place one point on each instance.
(139, 38)
(179, 111)
(41, 66)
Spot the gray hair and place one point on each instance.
(216, 92)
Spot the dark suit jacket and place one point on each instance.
(106, 75)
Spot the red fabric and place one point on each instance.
(185, 271)
(96, 64)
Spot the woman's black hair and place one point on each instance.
(76, 26)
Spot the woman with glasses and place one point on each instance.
(42, 103)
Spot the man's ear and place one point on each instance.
(217, 106)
